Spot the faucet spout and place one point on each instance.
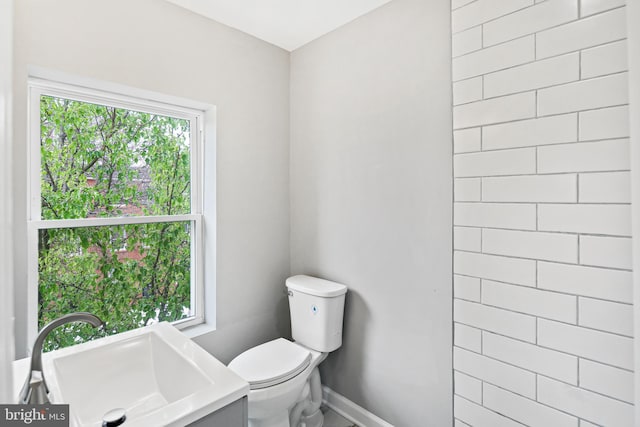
(35, 388)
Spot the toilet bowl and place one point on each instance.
(283, 375)
(278, 384)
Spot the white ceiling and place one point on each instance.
(285, 23)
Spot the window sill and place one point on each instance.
(196, 331)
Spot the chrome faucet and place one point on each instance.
(35, 390)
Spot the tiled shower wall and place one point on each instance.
(542, 308)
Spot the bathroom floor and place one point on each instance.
(333, 419)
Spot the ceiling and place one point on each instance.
(285, 23)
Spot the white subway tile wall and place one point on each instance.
(468, 387)
(467, 337)
(466, 91)
(608, 187)
(495, 372)
(605, 59)
(551, 363)
(604, 123)
(466, 41)
(468, 189)
(465, 287)
(467, 140)
(606, 380)
(603, 410)
(527, 133)
(467, 238)
(542, 249)
(524, 410)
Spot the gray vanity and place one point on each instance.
(233, 415)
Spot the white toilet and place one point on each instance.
(283, 375)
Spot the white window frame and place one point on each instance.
(38, 87)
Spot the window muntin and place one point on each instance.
(116, 207)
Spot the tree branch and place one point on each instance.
(54, 184)
(50, 206)
(90, 165)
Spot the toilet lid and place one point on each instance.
(271, 363)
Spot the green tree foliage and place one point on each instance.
(99, 161)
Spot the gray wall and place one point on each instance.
(154, 45)
(371, 203)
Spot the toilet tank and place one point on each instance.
(317, 310)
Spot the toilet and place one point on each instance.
(283, 375)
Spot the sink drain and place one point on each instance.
(114, 418)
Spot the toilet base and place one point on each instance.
(306, 412)
(314, 420)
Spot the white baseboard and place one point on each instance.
(350, 410)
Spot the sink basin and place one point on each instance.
(156, 374)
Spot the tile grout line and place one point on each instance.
(553, 291)
(532, 119)
(541, 88)
(545, 318)
(600, 362)
(541, 374)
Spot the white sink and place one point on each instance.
(156, 374)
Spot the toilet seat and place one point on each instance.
(271, 363)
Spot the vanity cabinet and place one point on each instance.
(235, 414)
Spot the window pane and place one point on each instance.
(100, 161)
(128, 275)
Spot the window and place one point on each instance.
(115, 215)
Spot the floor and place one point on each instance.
(333, 419)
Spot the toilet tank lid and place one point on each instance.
(315, 286)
